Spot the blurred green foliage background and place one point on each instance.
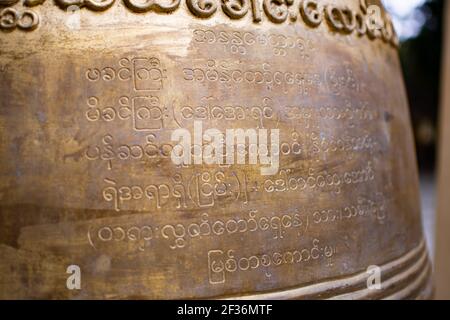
(421, 62)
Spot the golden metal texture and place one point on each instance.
(93, 95)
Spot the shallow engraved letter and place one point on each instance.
(162, 6)
(235, 9)
(202, 8)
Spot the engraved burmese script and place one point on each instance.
(207, 148)
(228, 150)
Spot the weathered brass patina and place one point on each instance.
(92, 95)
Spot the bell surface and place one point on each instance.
(188, 149)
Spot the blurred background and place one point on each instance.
(419, 24)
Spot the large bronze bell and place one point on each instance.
(206, 149)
